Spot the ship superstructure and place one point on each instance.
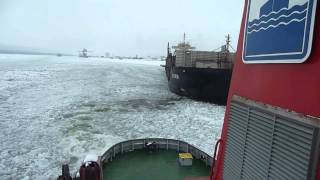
(187, 56)
(202, 75)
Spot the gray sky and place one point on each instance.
(121, 27)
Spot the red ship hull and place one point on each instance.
(294, 87)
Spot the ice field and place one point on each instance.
(55, 110)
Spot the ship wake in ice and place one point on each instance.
(55, 110)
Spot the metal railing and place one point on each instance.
(161, 144)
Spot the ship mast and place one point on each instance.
(228, 42)
(183, 45)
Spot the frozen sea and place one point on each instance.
(55, 110)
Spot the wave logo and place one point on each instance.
(279, 31)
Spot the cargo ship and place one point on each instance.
(271, 128)
(201, 75)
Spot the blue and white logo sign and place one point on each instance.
(279, 31)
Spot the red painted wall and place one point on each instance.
(289, 86)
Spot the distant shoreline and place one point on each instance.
(32, 53)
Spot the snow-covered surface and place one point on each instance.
(55, 110)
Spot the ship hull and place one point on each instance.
(205, 84)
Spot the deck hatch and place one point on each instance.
(269, 143)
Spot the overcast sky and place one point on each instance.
(121, 27)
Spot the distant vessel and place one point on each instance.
(84, 53)
(202, 75)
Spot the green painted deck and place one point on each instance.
(161, 165)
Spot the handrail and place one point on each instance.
(162, 143)
(218, 144)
